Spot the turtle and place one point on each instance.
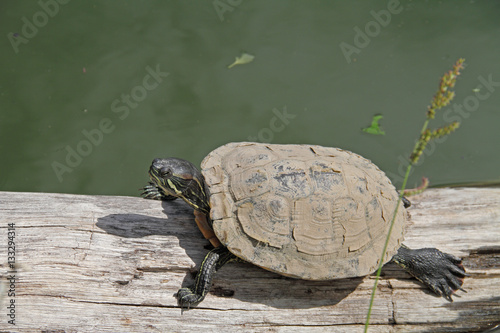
(302, 211)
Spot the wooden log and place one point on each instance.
(113, 264)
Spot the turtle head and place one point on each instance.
(180, 178)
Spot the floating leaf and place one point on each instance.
(244, 59)
(375, 127)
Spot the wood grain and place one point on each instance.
(113, 264)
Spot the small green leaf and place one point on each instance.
(244, 59)
(375, 127)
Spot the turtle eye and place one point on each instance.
(166, 173)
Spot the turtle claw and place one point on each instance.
(444, 286)
(151, 191)
(187, 298)
(441, 272)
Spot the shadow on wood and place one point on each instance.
(243, 281)
(114, 264)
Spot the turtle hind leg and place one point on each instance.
(406, 202)
(213, 261)
(151, 191)
(441, 272)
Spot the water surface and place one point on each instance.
(91, 92)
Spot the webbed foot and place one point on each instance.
(213, 261)
(151, 191)
(441, 272)
(186, 297)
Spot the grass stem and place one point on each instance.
(442, 98)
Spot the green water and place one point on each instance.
(92, 91)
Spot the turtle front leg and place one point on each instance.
(441, 272)
(151, 191)
(213, 261)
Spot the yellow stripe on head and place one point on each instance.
(172, 186)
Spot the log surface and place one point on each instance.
(113, 264)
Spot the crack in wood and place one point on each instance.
(109, 283)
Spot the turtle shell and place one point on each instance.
(303, 211)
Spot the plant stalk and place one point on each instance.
(379, 270)
(442, 98)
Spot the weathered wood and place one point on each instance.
(113, 264)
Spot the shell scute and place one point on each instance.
(304, 211)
